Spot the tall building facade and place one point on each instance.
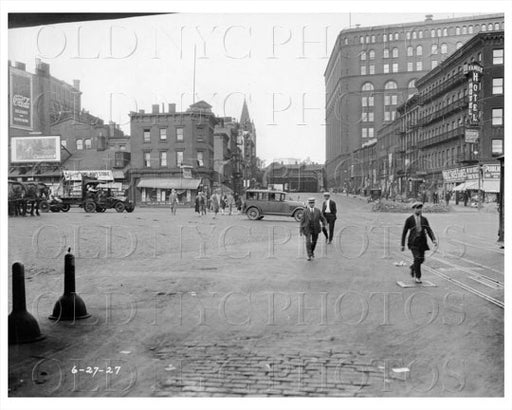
(373, 70)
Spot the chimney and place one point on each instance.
(20, 66)
(76, 84)
(172, 108)
(429, 17)
(141, 111)
(156, 109)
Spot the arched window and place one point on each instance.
(489, 27)
(88, 143)
(397, 36)
(367, 87)
(363, 55)
(79, 145)
(410, 51)
(386, 53)
(408, 35)
(414, 35)
(470, 29)
(457, 31)
(444, 48)
(371, 54)
(411, 88)
(390, 100)
(345, 41)
(361, 40)
(464, 30)
(484, 27)
(438, 32)
(496, 26)
(459, 44)
(445, 32)
(419, 51)
(367, 102)
(434, 48)
(432, 33)
(420, 34)
(367, 39)
(395, 52)
(373, 38)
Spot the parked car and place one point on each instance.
(259, 202)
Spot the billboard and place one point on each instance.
(35, 149)
(21, 101)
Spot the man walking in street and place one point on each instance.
(310, 226)
(329, 212)
(173, 199)
(418, 227)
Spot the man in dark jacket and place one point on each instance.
(310, 226)
(417, 226)
(329, 213)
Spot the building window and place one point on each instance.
(414, 35)
(371, 55)
(464, 30)
(445, 32)
(88, 143)
(361, 40)
(457, 31)
(122, 147)
(367, 39)
(410, 51)
(179, 134)
(79, 145)
(363, 70)
(397, 36)
(419, 51)
(496, 26)
(163, 134)
(419, 66)
(390, 100)
(489, 27)
(384, 38)
(497, 56)
(434, 64)
(408, 35)
(444, 48)
(179, 158)
(420, 34)
(497, 116)
(497, 85)
(395, 68)
(147, 159)
(345, 41)
(364, 133)
(497, 147)
(163, 158)
(395, 52)
(459, 45)
(470, 29)
(434, 48)
(410, 66)
(438, 32)
(386, 53)
(411, 87)
(372, 69)
(363, 55)
(373, 39)
(370, 132)
(484, 27)
(147, 135)
(200, 158)
(386, 68)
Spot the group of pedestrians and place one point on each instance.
(225, 204)
(416, 229)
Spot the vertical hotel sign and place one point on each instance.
(20, 104)
(474, 72)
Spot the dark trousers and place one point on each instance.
(419, 257)
(331, 219)
(311, 239)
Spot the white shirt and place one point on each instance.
(327, 206)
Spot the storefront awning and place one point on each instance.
(169, 183)
(485, 185)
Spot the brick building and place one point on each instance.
(373, 70)
(172, 150)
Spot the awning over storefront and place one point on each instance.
(486, 185)
(169, 183)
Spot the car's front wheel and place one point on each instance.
(253, 213)
(298, 214)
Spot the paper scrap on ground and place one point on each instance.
(400, 370)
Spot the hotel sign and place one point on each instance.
(474, 71)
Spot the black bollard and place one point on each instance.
(70, 306)
(23, 327)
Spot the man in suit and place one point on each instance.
(310, 226)
(417, 226)
(329, 213)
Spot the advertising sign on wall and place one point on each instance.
(20, 103)
(100, 175)
(35, 149)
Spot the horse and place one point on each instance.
(16, 196)
(35, 193)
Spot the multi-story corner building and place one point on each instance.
(373, 70)
(172, 150)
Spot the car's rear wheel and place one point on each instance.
(253, 213)
(298, 214)
(119, 207)
(90, 206)
(65, 207)
(44, 206)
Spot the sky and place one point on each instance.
(275, 61)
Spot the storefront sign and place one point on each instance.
(20, 104)
(489, 171)
(100, 175)
(474, 72)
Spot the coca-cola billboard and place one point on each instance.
(20, 104)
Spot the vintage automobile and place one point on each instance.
(259, 202)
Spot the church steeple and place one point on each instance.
(245, 118)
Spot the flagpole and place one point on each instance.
(194, 79)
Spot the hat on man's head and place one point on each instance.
(311, 199)
(417, 205)
(327, 194)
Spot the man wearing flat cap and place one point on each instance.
(417, 226)
(329, 213)
(310, 226)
